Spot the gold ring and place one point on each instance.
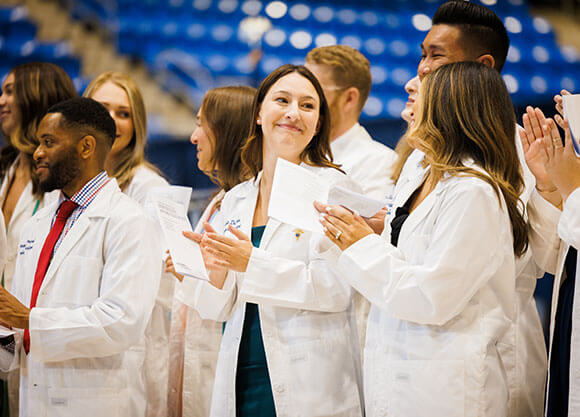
(338, 234)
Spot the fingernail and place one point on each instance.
(328, 209)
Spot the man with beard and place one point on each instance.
(88, 270)
(345, 76)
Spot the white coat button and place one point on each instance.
(279, 388)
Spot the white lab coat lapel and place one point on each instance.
(25, 200)
(402, 194)
(98, 208)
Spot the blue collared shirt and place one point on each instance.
(84, 197)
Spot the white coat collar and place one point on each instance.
(344, 141)
(99, 208)
(26, 199)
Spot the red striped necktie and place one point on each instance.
(64, 212)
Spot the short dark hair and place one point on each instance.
(481, 29)
(88, 116)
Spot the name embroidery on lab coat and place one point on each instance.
(26, 246)
(297, 233)
(237, 223)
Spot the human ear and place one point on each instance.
(351, 97)
(87, 146)
(487, 60)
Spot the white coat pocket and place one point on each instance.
(77, 282)
(87, 402)
(327, 369)
(421, 388)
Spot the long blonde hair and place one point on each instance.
(130, 158)
(466, 113)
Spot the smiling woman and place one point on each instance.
(297, 354)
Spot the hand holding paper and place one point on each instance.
(295, 189)
(185, 253)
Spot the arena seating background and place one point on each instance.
(193, 45)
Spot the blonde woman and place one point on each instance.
(441, 276)
(136, 177)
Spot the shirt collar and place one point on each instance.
(85, 196)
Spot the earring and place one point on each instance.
(258, 121)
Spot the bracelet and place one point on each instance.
(547, 191)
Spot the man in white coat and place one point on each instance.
(90, 276)
(345, 76)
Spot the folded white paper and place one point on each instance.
(185, 253)
(571, 105)
(294, 190)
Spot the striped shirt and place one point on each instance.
(84, 197)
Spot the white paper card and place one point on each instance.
(186, 254)
(294, 190)
(363, 205)
(571, 105)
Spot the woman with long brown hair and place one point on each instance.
(288, 347)
(441, 276)
(223, 124)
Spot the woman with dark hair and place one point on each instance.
(441, 276)
(288, 346)
(223, 124)
(28, 91)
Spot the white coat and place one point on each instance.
(194, 345)
(440, 303)
(152, 355)
(94, 303)
(522, 347)
(309, 340)
(368, 163)
(569, 231)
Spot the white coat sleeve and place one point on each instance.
(544, 240)
(281, 282)
(461, 255)
(569, 226)
(210, 302)
(116, 319)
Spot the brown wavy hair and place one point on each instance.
(227, 111)
(133, 156)
(317, 152)
(466, 113)
(37, 87)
